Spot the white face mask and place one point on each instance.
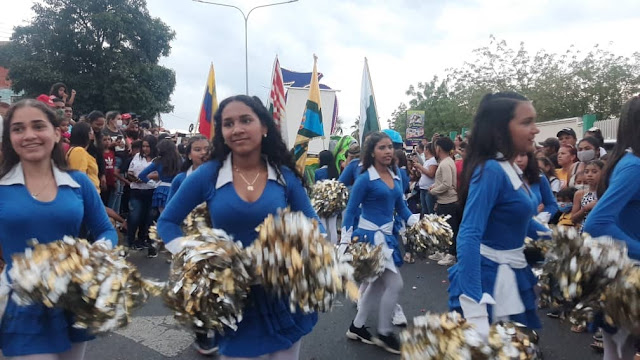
(586, 155)
(119, 123)
(582, 187)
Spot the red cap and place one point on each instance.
(45, 99)
(126, 116)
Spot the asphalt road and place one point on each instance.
(154, 335)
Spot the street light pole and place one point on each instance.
(246, 36)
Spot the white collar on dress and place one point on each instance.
(323, 167)
(16, 177)
(225, 175)
(189, 170)
(373, 173)
(513, 172)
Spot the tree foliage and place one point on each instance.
(560, 85)
(107, 50)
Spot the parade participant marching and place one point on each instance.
(617, 212)
(328, 171)
(539, 185)
(250, 176)
(197, 151)
(492, 280)
(379, 191)
(40, 199)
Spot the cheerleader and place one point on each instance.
(250, 176)
(197, 151)
(617, 212)
(491, 280)
(40, 199)
(379, 191)
(328, 171)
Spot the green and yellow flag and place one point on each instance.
(311, 125)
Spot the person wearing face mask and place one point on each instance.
(588, 149)
(564, 198)
(113, 125)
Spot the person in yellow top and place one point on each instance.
(77, 156)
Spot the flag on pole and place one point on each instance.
(368, 113)
(276, 102)
(311, 125)
(209, 106)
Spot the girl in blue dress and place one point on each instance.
(250, 176)
(328, 171)
(617, 212)
(40, 199)
(379, 191)
(492, 280)
(197, 152)
(539, 185)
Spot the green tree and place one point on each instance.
(108, 50)
(560, 85)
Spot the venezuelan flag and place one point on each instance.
(311, 125)
(209, 106)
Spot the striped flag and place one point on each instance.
(209, 106)
(311, 125)
(368, 113)
(276, 102)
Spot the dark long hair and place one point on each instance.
(272, 146)
(326, 158)
(369, 146)
(153, 149)
(402, 158)
(168, 157)
(187, 150)
(55, 87)
(80, 135)
(628, 137)
(9, 156)
(594, 142)
(532, 171)
(552, 168)
(489, 135)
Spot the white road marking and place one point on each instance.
(159, 333)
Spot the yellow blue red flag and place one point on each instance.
(209, 106)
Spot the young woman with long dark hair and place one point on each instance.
(78, 157)
(379, 191)
(197, 152)
(140, 196)
(617, 212)
(539, 185)
(327, 168)
(40, 199)
(498, 210)
(251, 175)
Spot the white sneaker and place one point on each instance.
(447, 260)
(437, 256)
(398, 316)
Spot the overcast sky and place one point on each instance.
(405, 41)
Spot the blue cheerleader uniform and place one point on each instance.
(322, 173)
(163, 188)
(268, 325)
(37, 329)
(491, 263)
(378, 204)
(544, 195)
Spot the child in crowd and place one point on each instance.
(65, 135)
(109, 170)
(565, 203)
(585, 199)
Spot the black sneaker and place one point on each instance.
(555, 314)
(388, 342)
(206, 346)
(361, 334)
(136, 247)
(152, 252)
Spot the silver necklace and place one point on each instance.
(35, 195)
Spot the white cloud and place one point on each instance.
(405, 41)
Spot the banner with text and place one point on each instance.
(415, 126)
